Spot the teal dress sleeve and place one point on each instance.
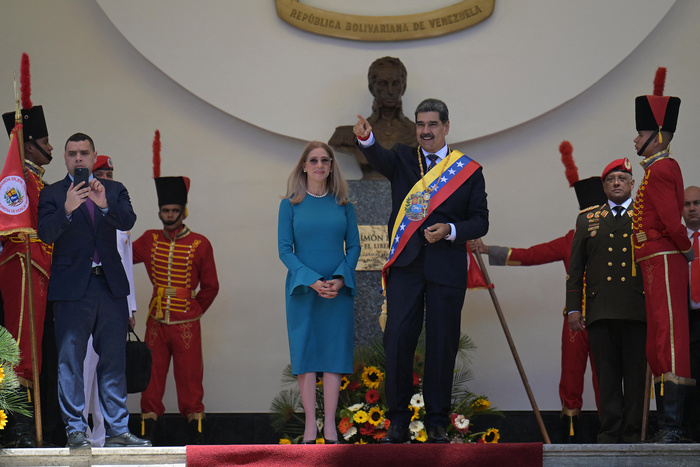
(300, 276)
(346, 269)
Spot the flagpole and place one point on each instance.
(29, 276)
(511, 344)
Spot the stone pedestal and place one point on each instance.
(372, 206)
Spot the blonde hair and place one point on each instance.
(335, 183)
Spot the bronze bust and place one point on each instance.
(387, 84)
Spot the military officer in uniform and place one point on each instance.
(575, 349)
(614, 300)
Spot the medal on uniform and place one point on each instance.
(416, 207)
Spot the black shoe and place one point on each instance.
(308, 441)
(149, 426)
(126, 440)
(78, 439)
(437, 435)
(25, 440)
(669, 436)
(195, 435)
(397, 434)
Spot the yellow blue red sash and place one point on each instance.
(441, 181)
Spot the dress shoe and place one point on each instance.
(126, 440)
(396, 435)
(308, 441)
(78, 439)
(437, 435)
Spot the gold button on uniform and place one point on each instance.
(609, 278)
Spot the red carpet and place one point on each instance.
(469, 455)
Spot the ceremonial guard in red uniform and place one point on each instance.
(180, 264)
(13, 268)
(663, 250)
(575, 350)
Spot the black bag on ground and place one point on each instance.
(138, 364)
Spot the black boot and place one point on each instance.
(671, 407)
(25, 431)
(195, 428)
(569, 425)
(23, 428)
(148, 429)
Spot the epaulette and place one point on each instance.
(590, 208)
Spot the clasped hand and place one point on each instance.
(328, 289)
(76, 195)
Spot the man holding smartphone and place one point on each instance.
(89, 287)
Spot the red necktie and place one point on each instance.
(695, 271)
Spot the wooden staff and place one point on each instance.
(647, 397)
(513, 350)
(29, 279)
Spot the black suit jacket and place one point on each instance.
(466, 208)
(76, 239)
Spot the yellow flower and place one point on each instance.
(481, 404)
(282, 440)
(371, 377)
(361, 441)
(2, 374)
(360, 416)
(422, 436)
(344, 383)
(376, 416)
(491, 436)
(3, 419)
(416, 412)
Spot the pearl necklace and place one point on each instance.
(316, 196)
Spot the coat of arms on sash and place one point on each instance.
(416, 207)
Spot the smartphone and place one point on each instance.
(81, 174)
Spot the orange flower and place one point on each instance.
(344, 425)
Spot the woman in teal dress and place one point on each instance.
(319, 243)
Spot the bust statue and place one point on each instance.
(387, 83)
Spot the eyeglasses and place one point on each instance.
(314, 161)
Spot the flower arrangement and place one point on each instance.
(362, 404)
(11, 400)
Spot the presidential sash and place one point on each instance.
(441, 182)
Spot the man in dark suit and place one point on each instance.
(615, 310)
(89, 289)
(438, 203)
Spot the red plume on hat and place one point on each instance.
(660, 81)
(567, 158)
(25, 80)
(156, 155)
